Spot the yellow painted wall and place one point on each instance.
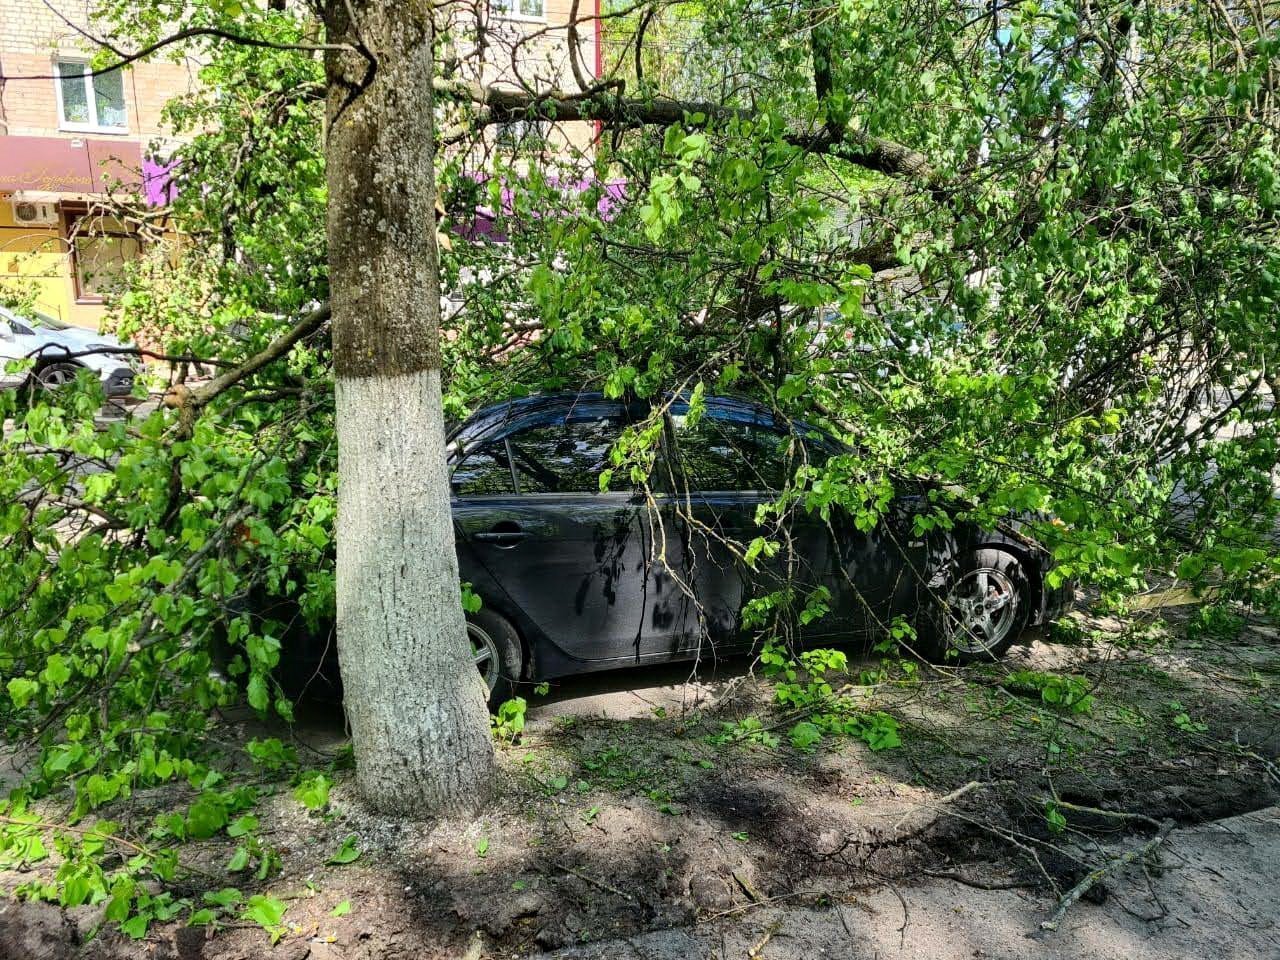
(36, 262)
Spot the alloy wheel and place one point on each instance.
(484, 654)
(56, 376)
(982, 609)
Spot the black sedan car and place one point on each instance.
(573, 579)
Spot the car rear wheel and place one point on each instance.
(497, 654)
(984, 610)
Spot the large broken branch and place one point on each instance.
(192, 400)
(501, 105)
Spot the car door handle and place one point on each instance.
(506, 533)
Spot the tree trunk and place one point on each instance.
(415, 701)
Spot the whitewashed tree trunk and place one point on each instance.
(415, 701)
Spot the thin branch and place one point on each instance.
(1094, 876)
(191, 33)
(309, 324)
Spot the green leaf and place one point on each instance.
(313, 792)
(226, 898)
(136, 926)
(805, 735)
(243, 825)
(482, 847)
(206, 816)
(341, 910)
(21, 690)
(258, 695)
(239, 860)
(347, 852)
(56, 670)
(266, 911)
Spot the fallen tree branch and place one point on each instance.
(193, 400)
(1094, 876)
(505, 105)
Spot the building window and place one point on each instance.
(87, 102)
(101, 250)
(519, 9)
(523, 135)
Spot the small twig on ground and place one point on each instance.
(760, 944)
(599, 884)
(976, 884)
(744, 907)
(1099, 812)
(748, 887)
(1094, 876)
(952, 797)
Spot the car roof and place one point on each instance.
(487, 418)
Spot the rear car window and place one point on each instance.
(720, 454)
(564, 457)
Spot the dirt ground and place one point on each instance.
(628, 824)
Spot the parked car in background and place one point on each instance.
(573, 579)
(60, 352)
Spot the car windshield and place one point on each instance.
(39, 319)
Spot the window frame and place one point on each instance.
(86, 80)
(470, 451)
(72, 215)
(515, 14)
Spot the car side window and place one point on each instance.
(484, 472)
(720, 454)
(564, 457)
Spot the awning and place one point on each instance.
(70, 165)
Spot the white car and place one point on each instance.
(60, 352)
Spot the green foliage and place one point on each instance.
(272, 755)
(508, 722)
(1054, 818)
(347, 853)
(312, 791)
(1072, 694)
(267, 912)
(802, 686)
(1092, 337)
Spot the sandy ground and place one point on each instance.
(626, 827)
(1218, 884)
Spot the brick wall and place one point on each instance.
(32, 37)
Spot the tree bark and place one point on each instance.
(415, 701)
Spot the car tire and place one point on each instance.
(979, 613)
(47, 379)
(492, 634)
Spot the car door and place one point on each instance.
(732, 460)
(579, 565)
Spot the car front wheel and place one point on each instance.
(984, 610)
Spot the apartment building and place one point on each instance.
(70, 140)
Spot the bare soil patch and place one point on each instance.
(627, 813)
